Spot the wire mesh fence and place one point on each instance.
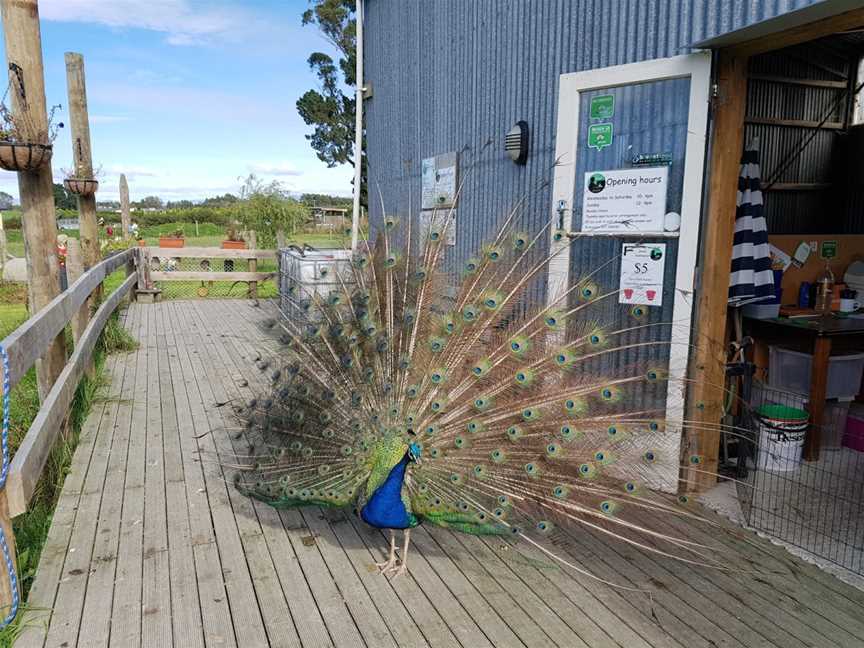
(162, 261)
(815, 505)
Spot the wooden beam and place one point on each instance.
(36, 188)
(182, 275)
(705, 403)
(26, 343)
(802, 34)
(125, 219)
(29, 460)
(796, 123)
(798, 186)
(208, 253)
(813, 83)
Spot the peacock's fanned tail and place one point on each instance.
(536, 420)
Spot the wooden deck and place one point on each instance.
(151, 546)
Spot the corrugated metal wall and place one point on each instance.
(456, 74)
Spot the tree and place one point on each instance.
(179, 204)
(63, 199)
(6, 201)
(149, 202)
(266, 208)
(330, 110)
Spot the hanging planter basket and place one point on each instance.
(21, 156)
(81, 186)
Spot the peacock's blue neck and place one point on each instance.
(385, 509)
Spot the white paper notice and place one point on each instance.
(642, 266)
(625, 200)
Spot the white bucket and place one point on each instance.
(781, 438)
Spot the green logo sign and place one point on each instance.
(828, 249)
(603, 107)
(599, 136)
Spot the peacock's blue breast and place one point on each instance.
(385, 508)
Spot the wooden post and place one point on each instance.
(38, 219)
(27, 91)
(83, 159)
(253, 264)
(74, 269)
(708, 368)
(125, 220)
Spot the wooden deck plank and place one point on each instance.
(126, 607)
(186, 620)
(156, 627)
(100, 585)
(69, 603)
(212, 595)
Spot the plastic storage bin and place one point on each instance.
(790, 370)
(317, 272)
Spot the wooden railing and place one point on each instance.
(28, 343)
(148, 276)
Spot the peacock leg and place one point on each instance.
(403, 566)
(391, 561)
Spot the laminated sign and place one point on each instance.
(625, 200)
(642, 266)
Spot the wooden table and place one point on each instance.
(819, 336)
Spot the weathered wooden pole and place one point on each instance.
(253, 264)
(74, 269)
(27, 91)
(125, 220)
(82, 158)
(36, 188)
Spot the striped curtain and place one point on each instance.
(751, 279)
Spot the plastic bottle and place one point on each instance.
(825, 290)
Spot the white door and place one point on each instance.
(619, 127)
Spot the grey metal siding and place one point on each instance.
(456, 74)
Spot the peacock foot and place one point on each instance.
(387, 564)
(395, 570)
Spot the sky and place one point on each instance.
(187, 96)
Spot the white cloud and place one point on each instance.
(181, 21)
(274, 169)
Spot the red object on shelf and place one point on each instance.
(854, 435)
(171, 242)
(233, 245)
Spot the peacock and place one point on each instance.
(415, 391)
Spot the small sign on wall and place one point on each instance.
(625, 200)
(439, 181)
(642, 270)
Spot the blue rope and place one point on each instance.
(4, 472)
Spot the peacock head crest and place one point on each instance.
(414, 452)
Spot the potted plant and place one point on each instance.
(21, 149)
(233, 239)
(173, 240)
(81, 186)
